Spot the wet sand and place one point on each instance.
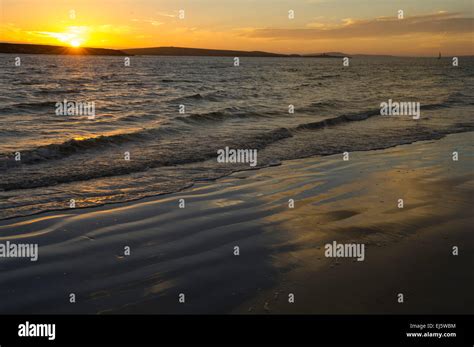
(191, 250)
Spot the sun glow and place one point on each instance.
(75, 43)
(74, 36)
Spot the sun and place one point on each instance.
(73, 36)
(75, 43)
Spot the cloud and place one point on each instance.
(149, 21)
(164, 14)
(72, 33)
(438, 23)
(111, 29)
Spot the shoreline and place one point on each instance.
(156, 195)
(190, 250)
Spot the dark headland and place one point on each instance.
(48, 49)
(163, 51)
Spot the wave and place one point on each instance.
(166, 80)
(57, 91)
(219, 116)
(56, 151)
(196, 96)
(213, 97)
(325, 77)
(11, 132)
(321, 105)
(339, 120)
(189, 152)
(358, 116)
(459, 98)
(73, 146)
(136, 117)
(31, 105)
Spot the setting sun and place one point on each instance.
(75, 43)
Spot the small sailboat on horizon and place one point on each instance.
(439, 56)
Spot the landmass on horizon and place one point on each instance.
(17, 48)
(23, 48)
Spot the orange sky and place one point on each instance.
(351, 26)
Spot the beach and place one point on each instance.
(278, 172)
(191, 250)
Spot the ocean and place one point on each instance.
(160, 121)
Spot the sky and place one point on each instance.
(398, 27)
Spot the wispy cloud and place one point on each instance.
(149, 21)
(165, 14)
(438, 23)
(72, 33)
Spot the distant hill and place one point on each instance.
(16, 48)
(181, 51)
(327, 55)
(47, 49)
(374, 55)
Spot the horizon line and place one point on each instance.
(282, 55)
